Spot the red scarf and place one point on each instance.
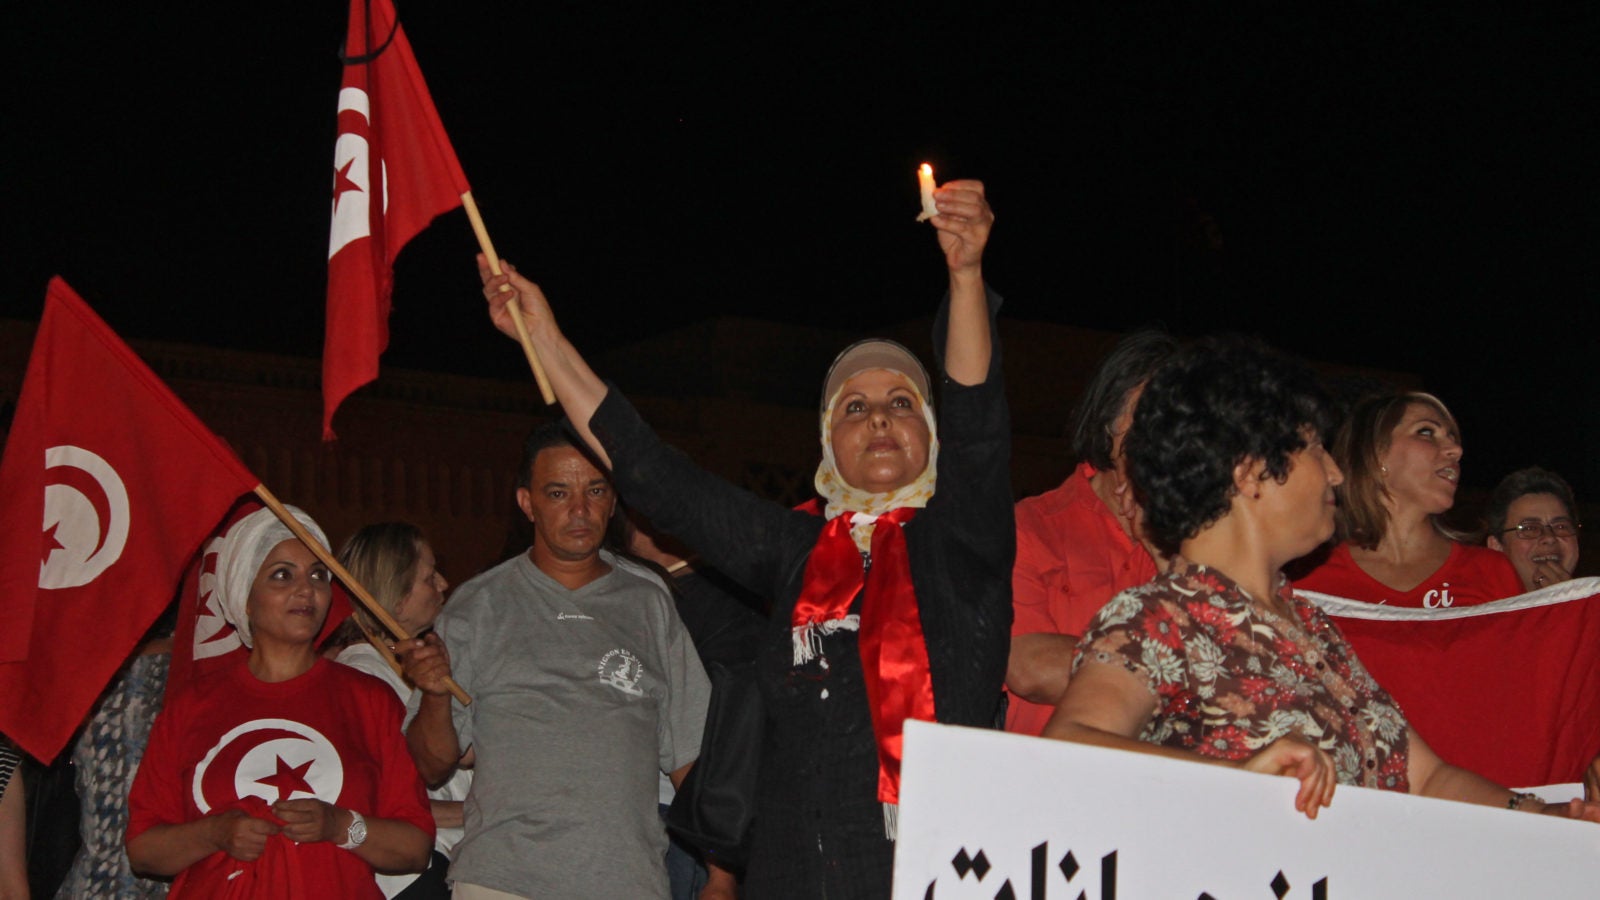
(894, 654)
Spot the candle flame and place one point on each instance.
(926, 169)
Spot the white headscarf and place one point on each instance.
(243, 551)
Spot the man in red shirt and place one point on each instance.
(1076, 544)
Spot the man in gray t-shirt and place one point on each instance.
(584, 685)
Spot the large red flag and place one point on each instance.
(393, 172)
(204, 641)
(125, 483)
(1509, 689)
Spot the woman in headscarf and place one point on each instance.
(893, 604)
(285, 774)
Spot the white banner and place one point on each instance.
(985, 814)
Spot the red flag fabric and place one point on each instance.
(204, 642)
(126, 483)
(1509, 689)
(393, 172)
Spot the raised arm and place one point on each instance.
(577, 387)
(963, 225)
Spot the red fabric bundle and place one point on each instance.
(1513, 695)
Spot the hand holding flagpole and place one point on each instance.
(354, 586)
(487, 247)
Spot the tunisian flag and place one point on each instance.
(1508, 689)
(393, 172)
(108, 486)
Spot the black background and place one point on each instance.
(1405, 188)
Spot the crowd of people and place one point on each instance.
(1142, 605)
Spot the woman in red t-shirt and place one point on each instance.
(1401, 455)
(284, 774)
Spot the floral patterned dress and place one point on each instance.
(1230, 677)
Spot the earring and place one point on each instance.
(1383, 470)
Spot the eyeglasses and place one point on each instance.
(1533, 529)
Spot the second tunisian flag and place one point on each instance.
(108, 486)
(393, 172)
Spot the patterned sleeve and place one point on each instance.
(156, 796)
(1140, 632)
(9, 760)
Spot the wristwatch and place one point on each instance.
(357, 835)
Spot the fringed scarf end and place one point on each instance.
(807, 638)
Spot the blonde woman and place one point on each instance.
(396, 564)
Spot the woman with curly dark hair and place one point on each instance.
(1218, 660)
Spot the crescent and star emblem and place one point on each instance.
(352, 190)
(213, 636)
(86, 518)
(274, 759)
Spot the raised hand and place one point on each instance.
(963, 223)
(426, 663)
(531, 301)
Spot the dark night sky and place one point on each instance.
(1394, 187)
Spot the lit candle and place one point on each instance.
(925, 181)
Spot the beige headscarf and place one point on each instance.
(243, 551)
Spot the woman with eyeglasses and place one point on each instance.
(1532, 519)
(1401, 455)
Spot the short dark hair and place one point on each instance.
(1532, 480)
(1212, 406)
(1129, 364)
(551, 434)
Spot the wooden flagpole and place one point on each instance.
(355, 588)
(487, 246)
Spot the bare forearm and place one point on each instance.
(720, 884)
(1063, 729)
(166, 850)
(967, 343)
(432, 740)
(1447, 782)
(394, 846)
(448, 813)
(576, 386)
(13, 841)
(1040, 666)
(678, 775)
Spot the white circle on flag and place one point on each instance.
(251, 758)
(351, 205)
(85, 546)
